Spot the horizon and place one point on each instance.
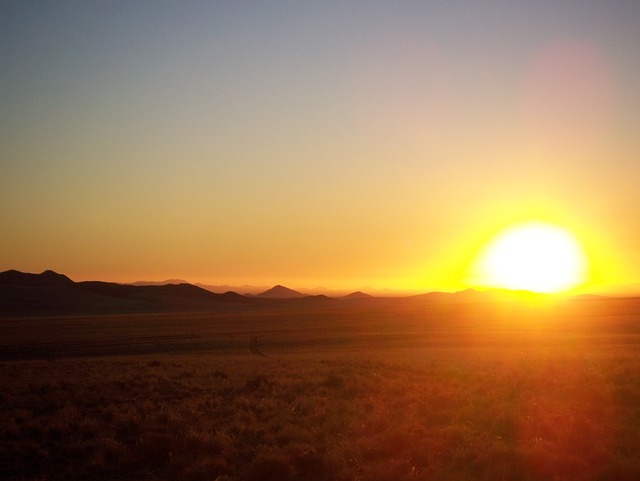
(252, 290)
(354, 147)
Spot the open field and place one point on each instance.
(382, 389)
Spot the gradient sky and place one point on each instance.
(343, 144)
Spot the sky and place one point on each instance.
(337, 144)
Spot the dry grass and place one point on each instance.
(440, 404)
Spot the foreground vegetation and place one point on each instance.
(441, 404)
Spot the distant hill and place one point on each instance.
(50, 293)
(159, 283)
(469, 296)
(45, 279)
(357, 295)
(280, 292)
(218, 288)
(244, 289)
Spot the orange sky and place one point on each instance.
(340, 144)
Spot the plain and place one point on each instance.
(375, 389)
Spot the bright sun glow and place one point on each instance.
(535, 256)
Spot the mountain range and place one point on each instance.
(280, 292)
(50, 293)
(254, 290)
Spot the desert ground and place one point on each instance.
(365, 389)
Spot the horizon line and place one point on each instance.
(613, 292)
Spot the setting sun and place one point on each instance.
(534, 256)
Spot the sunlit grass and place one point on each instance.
(464, 392)
(548, 414)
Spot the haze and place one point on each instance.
(341, 144)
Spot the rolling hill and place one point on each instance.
(357, 295)
(280, 292)
(50, 293)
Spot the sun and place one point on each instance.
(533, 256)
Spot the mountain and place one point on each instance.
(473, 296)
(357, 295)
(45, 279)
(159, 283)
(468, 295)
(219, 288)
(50, 293)
(244, 289)
(280, 292)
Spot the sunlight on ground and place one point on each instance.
(533, 256)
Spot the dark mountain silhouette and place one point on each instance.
(232, 297)
(357, 295)
(469, 296)
(245, 289)
(50, 293)
(280, 292)
(186, 291)
(319, 297)
(220, 288)
(45, 279)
